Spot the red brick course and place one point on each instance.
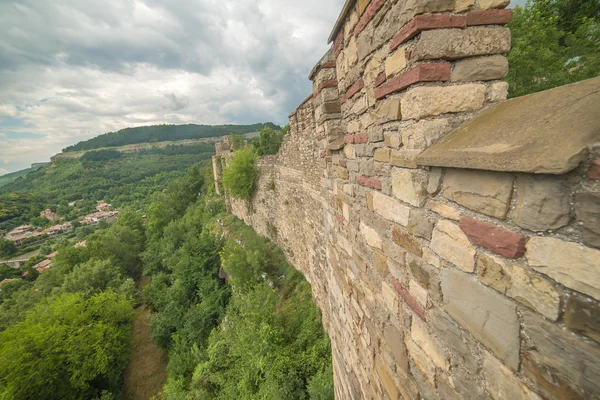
(355, 88)
(369, 182)
(340, 219)
(498, 240)
(489, 17)
(368, 16)
(410, 301)
(424, 22)
(438, 72)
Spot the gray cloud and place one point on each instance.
(103, 66)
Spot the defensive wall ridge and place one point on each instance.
(451, 237)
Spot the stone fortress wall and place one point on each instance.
(451, 237)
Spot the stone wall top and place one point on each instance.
(547, 132)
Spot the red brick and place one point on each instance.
(489, 17)
(369, 182)
(355, 88)
(368, 16)
(594, 171)
(340, 219)
(320, 137)
(438, 72)
(408, 299)
(328, 159)
(330, 64)
(327, 84)
(380, 79)
(349, 139)
(361, 138)
(338, 44)
(425, 22)
(498, 240)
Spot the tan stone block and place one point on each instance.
(382, 155)
(372, 69)
(371, 236)
(480, 69)
(389, 297)
(344, 244)
(396, 62)
(484, 191)
(393, 140)
(404, 158)
(543, 203)
(342, 172)
(502, 383)
(451, 243)
(427, 101)
(497, 92)
(489, 4)
(571, 264)
(421, 360)
(370, 201)
(464, 5)
(431, 258)
(351, 52)
(418, 292)
(360, 106)
(395, 342)
(390, 208)
(452, 44)
(422, 134)
(425, 341)
(388, 110)
(350, 151)
(380, 263)
(386, 381)
(410, 185)
(445, 210)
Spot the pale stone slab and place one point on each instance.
(490, 317)
(451, 243)
(410, 185)
(571, 264)
(480, 69)
(488, 4)
(526, 134)
(389, 298)
(390, 209)
(423, 134)
(502, 383)
(371, 236)
(451, 44)
(421, 359)
(484, 191)
(421, 336)
(425, 101)
(396, 62)
(445, 210)
(418, 292)
(542, 203)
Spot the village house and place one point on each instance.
(48, 214)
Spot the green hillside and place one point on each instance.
(164, 133)
(11, 177)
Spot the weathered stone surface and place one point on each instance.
(421, 360)
(464, 5)
(498, 240)
(438, 72)
(418, 270)
(425, 341)
(371, 236)
(542, 203)
(575, 266)
(450, 243)
(388, 110)
(336, 143)
(422, 134)
(526, 134)
(372, 69)
(445, 210)
(488, 4)
(594, 170)
(404, 158)
(421, 23)
(395, 341)
(489, 17)
(450, 44)
(410, 185)
(572, 357)
(435, 100)
(489, 316)
(583, 316)
(497, 91)
(480, 69)
(386, 381)
(418, 292)
(587, 210)
(419, 224)
(405, 240)
(502, 384)
(396, 62)
(390, 208)
(522, 285)
(435, 179)
(382, 155)
(368, 182)
(464, 349)
(389, 298)
(408, 299)
(342, 172)
(484, 191)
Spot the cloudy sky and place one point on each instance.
(74, 69)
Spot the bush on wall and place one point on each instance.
(240, 176)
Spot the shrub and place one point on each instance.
(240, 176)
(269, 141)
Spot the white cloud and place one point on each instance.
(118, 63)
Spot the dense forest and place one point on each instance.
(165, 133)
(11, 177)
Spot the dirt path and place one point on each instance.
(146, 373)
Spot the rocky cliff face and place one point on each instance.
(448, 263)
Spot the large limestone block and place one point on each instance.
(502, 383)
(410, 185)
(525, 134)
(451, 243)
(484, 191)
(566, 355)
(371, 236)
(575, 266)
(390, 208)
(422, 134)
(451, 44)
(543, 203)
(490, 317)
(396, 62)
(425, 101)
(480, 69)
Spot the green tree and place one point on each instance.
(7, 248)
(236, 141)
(240, 176)
(68, 347)
(269, 140)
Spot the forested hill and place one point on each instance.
(163, 133)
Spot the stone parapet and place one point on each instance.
(442, 269)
